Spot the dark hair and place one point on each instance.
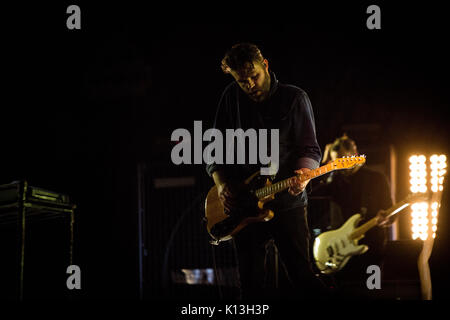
(240, 57)
(344, 142)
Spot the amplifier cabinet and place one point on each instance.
(36, 242)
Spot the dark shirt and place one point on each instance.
(288, 109)
(366, 188)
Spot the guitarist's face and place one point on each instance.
(254, 80)
(347, 148)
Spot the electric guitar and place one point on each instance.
(223, 227)
(333, 249)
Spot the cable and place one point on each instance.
(216, 273)
(172, 236)
(237, 266)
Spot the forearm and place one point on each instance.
(219, 177)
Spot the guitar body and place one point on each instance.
(333, 249)
(221, 226)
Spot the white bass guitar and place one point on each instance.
(333, 249)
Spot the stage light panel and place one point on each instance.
(424, 217)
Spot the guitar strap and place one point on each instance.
(365, 196)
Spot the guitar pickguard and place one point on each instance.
(333, 249)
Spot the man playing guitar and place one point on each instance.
(360, 190)
(256, 99)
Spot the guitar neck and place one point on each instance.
(361, 230)
(285, 184)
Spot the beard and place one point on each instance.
(262, 93)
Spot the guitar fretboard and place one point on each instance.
(361, 230)
(284, 184)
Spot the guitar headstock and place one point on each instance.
(348, 162)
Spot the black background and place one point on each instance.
(82, 107)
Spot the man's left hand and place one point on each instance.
(298, 184)
(383, 221)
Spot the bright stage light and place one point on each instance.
(424, 217)
(413, 159)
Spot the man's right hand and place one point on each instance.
(224, 191)
(227, 196)
(236, 198)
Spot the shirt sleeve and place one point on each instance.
(308, 154)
